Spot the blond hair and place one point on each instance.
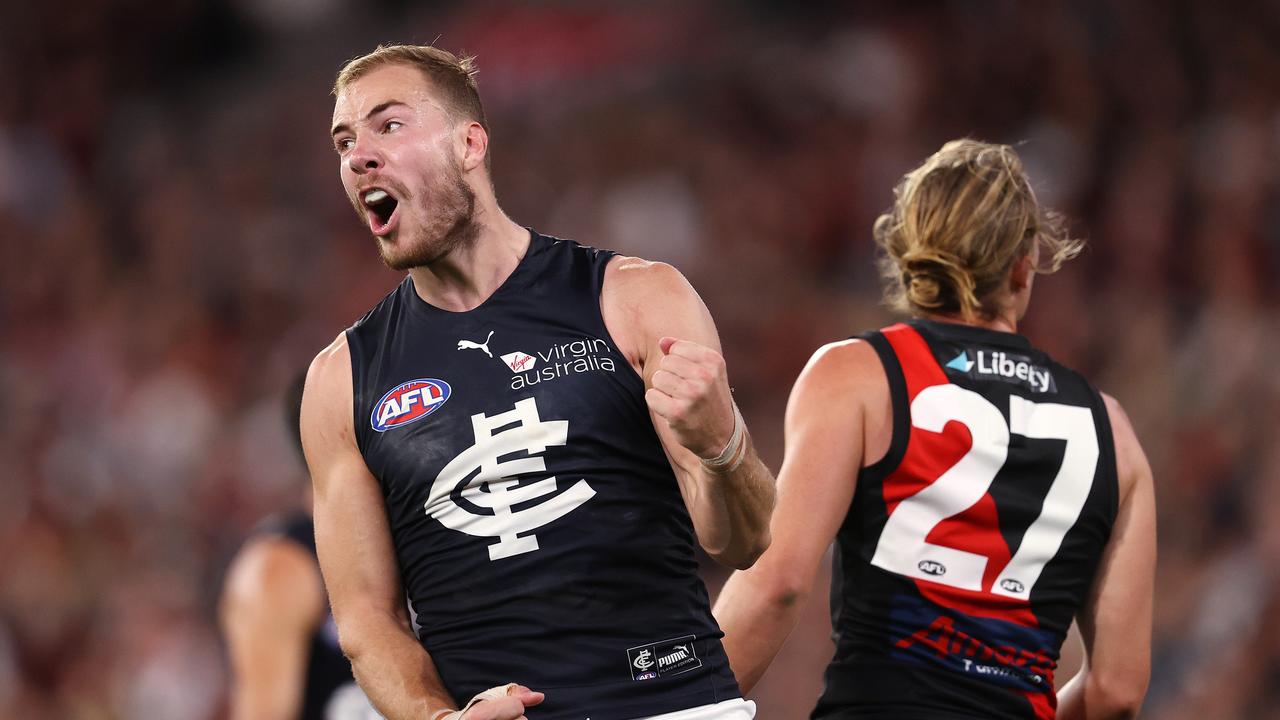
(453, 77)
(958, 223)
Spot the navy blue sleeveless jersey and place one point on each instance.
(540, 532)
(970, 547)
(329, 690)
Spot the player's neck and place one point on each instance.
(1004, 321)
(474, 270)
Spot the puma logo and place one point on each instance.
(470, 345)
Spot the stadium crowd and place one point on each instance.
(176, 247)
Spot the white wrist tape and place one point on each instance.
(731, 456)
(493, 693)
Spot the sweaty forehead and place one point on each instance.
(398, 82)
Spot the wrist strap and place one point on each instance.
(732, 455)
(493, 693)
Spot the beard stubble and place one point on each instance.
(447, 212)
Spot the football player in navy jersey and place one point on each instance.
(285, 660)
(980, 496)
(527, 435)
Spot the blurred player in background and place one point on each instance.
(285, 659)
(980, 495)
(527, 433)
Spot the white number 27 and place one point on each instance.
(902, 547)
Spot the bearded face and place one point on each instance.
(399, 167)
(422, 221)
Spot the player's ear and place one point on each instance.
(475, 145)
(1020, 273)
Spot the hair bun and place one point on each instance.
(923, 286)
(934, 278)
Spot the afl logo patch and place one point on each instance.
(409, 402)
(932, 567)
(1012, 585)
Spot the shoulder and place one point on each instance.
(849, 368)
(337, 352)
(848, 364)
(1115, 412)
(842, 358)
(327, 399)
(274, 574)
(636, 278)
(643, 301)
(330, 367)
(649, 293)
(839, 409)
(1126, 441)
(1131, 462)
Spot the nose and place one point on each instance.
(364, 158)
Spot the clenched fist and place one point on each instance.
(690, 390)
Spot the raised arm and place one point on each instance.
(272, 602)
(353, 542)
(665, 331)
(1115, 622)
(825, 429)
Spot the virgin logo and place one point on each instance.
(519, 361)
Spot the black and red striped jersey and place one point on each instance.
(971, 545)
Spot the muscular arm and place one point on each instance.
(666, 332)
(271, 604)
(353, 542)
(1115, 622)
(759, 607)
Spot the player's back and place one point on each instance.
(971, 545)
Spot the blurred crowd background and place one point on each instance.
(176, 247)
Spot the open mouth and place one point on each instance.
(380, 208)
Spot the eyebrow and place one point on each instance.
(340, 127)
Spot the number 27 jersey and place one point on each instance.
(971, 545)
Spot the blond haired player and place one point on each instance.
(980, 495)
(527, 435)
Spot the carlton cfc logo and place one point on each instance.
(409, 402)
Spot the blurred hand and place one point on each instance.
(690, 390)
